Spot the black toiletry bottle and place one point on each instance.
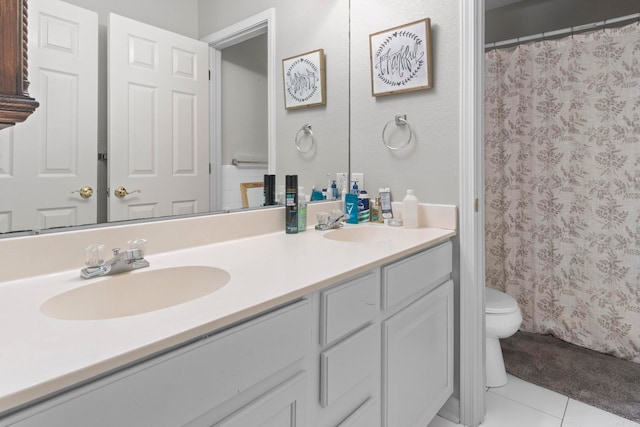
(269, 190)
(291, 204)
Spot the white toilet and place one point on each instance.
(503, 319)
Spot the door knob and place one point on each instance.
(85, 192)
(121, 192)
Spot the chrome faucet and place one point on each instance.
(333, 223)
(131, 259)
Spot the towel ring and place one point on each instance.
(306, 129)
(400, 120)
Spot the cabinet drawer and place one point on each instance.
(418, 273)
(173, 388)
(346, 364)
(365, 416)
(283, 406)
(347, 307)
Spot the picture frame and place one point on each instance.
(304, 80)
(401, 59)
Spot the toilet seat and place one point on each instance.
(497, 302)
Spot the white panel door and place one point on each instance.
(158, 121)
(54, 152)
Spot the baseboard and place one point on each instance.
(451, 410)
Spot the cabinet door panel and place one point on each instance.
(281, 407)
(365, 416)
(418, 359)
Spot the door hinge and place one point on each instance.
(102, 156)
(209, 74)
(476, 205)
(209, 168)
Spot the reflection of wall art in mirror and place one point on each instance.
(401, 59)
(304, 80)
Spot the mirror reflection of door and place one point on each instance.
(54, 153)
(244, 102)
(158, 122)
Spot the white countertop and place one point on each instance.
(41, 355)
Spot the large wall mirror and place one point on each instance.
(80, 121)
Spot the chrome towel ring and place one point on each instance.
(400, 120)
(306, 130)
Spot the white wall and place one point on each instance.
(244, 100)
(533, 16)
(301, 26)
(430, 164)
(177, 16)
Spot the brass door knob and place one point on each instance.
(121, 192)
(85, 192)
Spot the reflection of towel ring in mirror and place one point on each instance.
(401, 120)
(306, 129)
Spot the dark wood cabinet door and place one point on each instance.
(15, 103)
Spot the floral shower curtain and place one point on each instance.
(562, 166)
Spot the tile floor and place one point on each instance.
(522, 404)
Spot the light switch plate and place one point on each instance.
(342, 176)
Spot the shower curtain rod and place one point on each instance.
(570, 30)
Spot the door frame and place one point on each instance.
(471, 214)
(261, 23)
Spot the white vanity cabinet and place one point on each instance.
(251, 371)
(417, 337)
(375, 349)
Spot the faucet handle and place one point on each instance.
(139, 245)
(94, 255)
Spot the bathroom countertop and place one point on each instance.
(41, 356)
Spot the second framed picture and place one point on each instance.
(304, 80)
(401, 59)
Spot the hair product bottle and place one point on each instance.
(269, 190)
(291, 204)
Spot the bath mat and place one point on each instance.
(596, 379)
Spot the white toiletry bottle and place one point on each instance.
(410, 210)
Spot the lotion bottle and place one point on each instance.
(302, 210)
(410, 210)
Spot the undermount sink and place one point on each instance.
(366, 234)
(137, 292)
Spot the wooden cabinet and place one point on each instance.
(15, 103)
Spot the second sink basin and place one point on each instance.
(365, 234)
(135, 293)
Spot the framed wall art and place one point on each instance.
(401, 59)
(304, 80)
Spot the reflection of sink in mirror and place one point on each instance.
(135, 293)
(365, 234)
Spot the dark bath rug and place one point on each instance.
(596, 379)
